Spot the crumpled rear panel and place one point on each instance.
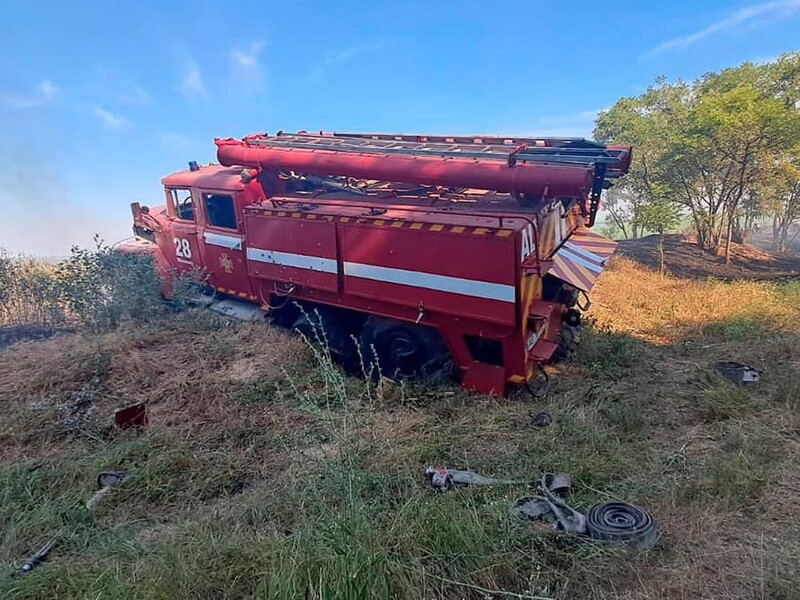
(582, 258)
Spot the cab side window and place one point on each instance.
(220, 210)
(181, 200)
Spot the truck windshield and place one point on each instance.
(181, 200)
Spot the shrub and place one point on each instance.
(98, 289)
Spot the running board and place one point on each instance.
(236, 309)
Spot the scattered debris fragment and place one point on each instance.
(443, 479)
(134, 415)
(541, 419)
(386, 390)
(558, 483)
(737, 373)
(607, 522)
(105, 482)
(38, 558)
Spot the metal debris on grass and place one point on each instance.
(607, 522)
(442, 479)
(106, 481)
(541, 419)
(737, 373)
(134, 415)
(38, 558)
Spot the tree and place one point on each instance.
(660, 216)
(786, 201)
(649, 123)
(708, 147)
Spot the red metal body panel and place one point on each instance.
(468, 275)
(292, 250)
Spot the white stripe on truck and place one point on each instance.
(431, 281)
(290, 259)
(223, 241)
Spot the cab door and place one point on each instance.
(184, 246)
(222, 244)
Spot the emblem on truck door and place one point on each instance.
(225, 263)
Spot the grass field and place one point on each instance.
(265, 474)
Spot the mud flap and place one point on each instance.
(485, 378)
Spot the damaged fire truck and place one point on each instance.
(430, 253)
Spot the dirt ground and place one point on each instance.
(684, 259)
(265, 474)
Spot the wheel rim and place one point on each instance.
(400, 354)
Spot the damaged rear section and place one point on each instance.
(581, 259)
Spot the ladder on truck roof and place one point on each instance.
(607, 162)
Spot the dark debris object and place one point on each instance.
(737, 373)
(542, 419)
(38, 558)
(134, 415)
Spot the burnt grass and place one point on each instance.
(266, 474)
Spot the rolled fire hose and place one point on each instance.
(623, 523)
(607, 522)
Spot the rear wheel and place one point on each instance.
(568, 336)
(327, 328)
(401, 351)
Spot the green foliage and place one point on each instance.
(708, 147)
(97, 289)
(103, 288)
(734, 330)
(29, 292)
(605, 352)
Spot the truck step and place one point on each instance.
(236, 309)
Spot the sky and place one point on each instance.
(99, 101)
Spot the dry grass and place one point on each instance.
(265, 474)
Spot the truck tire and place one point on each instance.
(569, 336)
(323, 327)
(403, 351)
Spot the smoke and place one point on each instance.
(40, 214)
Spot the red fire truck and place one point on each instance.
(435, 253)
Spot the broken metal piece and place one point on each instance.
(737, 373)
(38, 558)
(134, 415)
(106, 481)
(542, 419)
(558, 483)
(442, 479)
(534, 508)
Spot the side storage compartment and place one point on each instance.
(283, 246)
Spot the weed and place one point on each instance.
(606, 352)
(627, 417)
(735, 330)
(718, 399)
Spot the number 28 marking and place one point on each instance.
(182, 248)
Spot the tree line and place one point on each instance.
(722, 151)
